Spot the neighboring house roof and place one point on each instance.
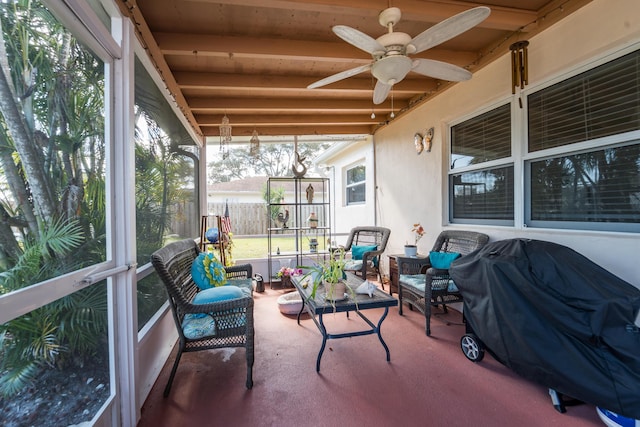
(250, 184)
(253, 183)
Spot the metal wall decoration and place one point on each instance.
(427, 140)
(298, 168)
(423, 142)
(519, 65)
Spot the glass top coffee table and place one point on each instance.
(319, 306)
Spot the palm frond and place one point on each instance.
(15, 379)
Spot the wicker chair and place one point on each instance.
(232, 318)
(362, 237)
(422, 286)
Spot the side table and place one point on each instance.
(393, 271)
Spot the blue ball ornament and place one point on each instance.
(212, 234)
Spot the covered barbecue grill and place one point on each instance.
(556, 318)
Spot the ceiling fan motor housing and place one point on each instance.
(391, 69)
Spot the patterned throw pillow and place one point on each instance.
(207, 271)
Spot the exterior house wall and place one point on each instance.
(345, 217)
(419, 193)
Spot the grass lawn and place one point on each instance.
(257, 247)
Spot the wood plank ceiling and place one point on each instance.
(253, 59)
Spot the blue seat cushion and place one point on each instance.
(245, 285)
(195, 326)
(353, 265)
(199, 325)
(417, 281)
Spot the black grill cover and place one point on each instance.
(556, 318)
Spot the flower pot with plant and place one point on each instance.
(418, 232)
(285, 274)
(330, 277)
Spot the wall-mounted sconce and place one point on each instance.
(519, 65)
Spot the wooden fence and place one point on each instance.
(253, 219)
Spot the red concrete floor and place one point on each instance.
(428, 381)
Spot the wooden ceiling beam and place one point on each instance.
(214, 131)
(206, 45)
(504, 18)
(279, 105)
(210, 81)
(360, 118)
(241, 47)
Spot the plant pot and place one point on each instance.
(335, 291)
(410, 250)
(286, 282)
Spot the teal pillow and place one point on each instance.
(220, 293)
(442, 260)
(207, 271)
(358, 251)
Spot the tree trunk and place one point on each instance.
(30, 155)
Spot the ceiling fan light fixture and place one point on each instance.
(392, 69)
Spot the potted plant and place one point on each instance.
(418, 232)
(329, 275)
(285, 274)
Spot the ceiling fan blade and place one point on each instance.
(380, 92)
(440, 70)
(449, 28)
(340, 76)
(359, 39)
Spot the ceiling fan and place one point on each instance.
(390, 51)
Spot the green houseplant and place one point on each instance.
(329, 274)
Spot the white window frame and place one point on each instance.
(348, 186)
(521, 159)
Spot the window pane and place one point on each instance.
(166, 193)
(483, 195)
(355, 175)
(481, 139)
(356, 194)
(600, 102)
(52, 201)
(56, 362)
(599, 186)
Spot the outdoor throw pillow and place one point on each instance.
(220, 293)
(442, 260)
(207, 271)
(358, 251)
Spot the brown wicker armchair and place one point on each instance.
(422, 286)
(232, 319)
(361, 237)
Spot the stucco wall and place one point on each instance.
(412, 188)
(344, 217)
